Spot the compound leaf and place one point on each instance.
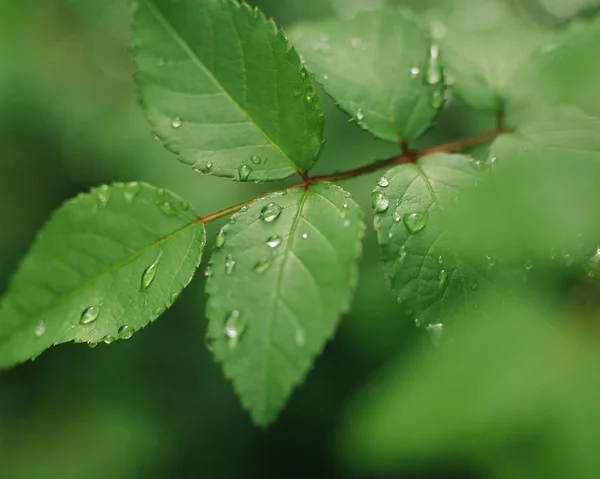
(108, 263)
(224, 90)
(281, 277)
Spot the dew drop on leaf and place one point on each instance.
(270, 212)
(220, 239)
(415, 72)
(167, 208)
(440, 260)
(244, 172)
(380, 202)
(443, 277)
(177, 122)
(434, 70)
(478, 164)
(160, 192)
(436, 331)
(360, 115)
(403, 254)
(131, 190)
(415, 222)
(262, 265)
(234, 327)
(109, 339)
(304, 236)
(89, 315)
(437, 98)
(229, 264)
(92, 344)
(397, 217)
(256, 160)
(149, 274)
(40, 328)
(383, 182)
(125, 332)
(208, 271)
(274, 241)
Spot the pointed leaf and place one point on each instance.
(107, 264)
(223, 89)
(426, 273)
(379, 67)
(279, 282)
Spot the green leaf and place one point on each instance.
(420, 261)
(279, 282)
(107, 264)
(565, 71)
(482, 64)
(223, 89)
(379, 67)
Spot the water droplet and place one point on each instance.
(440, 260)
(131, 190)
(490, 262)
(89, 315)
(528, 265)
(243, 209)
(383, 182)
(234, 327)
(229, 264)
(300, 337)
(403, 254)
(437, 98)
(184, 206)
(360, 115)
(274, 241)
(443, 277)
(478, 164)
(40, 328)
(347, 223)
(177, 122)
(304, 236)
(415, 72)
(220, 239)
(125, 332)
(492, 161)
(149, 274)
(380, 202)
(270, 212)
(160, 192)
(232, 220)
(418, 322)
(167, 208)
(434, 70)
(397, 217)
(208, 271)
(415, 222)
(262, 265)
(356, 42)
(104, 194)
(256, 160)
(205, 169)
(109, 339)
(92, 344)
(244, 172)
(325, 76)
(345, 205)
(436, 331)
(594, 265)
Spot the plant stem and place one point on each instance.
(408, 156)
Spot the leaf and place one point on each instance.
(482, 63)
(224, 90)
(565, 71)
(420, 261)
(279, 282)
(108, 263)
(379, 67)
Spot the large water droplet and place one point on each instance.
(167, 208)
(177, 122)
(89, 315)
(229, 264)
(434, 70)
(274, 241)
(40, 328)
(92, 344)
(383, 182)
(244, 172)
(262, 265)
(270, 212)
(109, 339)
(443, 277)
(234, 327)
(220, 239)
(415, 222)
(149, 274)
(380, 202)
(125, 332)
(131, 190)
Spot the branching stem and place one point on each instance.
(407, 156)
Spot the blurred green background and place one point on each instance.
(157, 405)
